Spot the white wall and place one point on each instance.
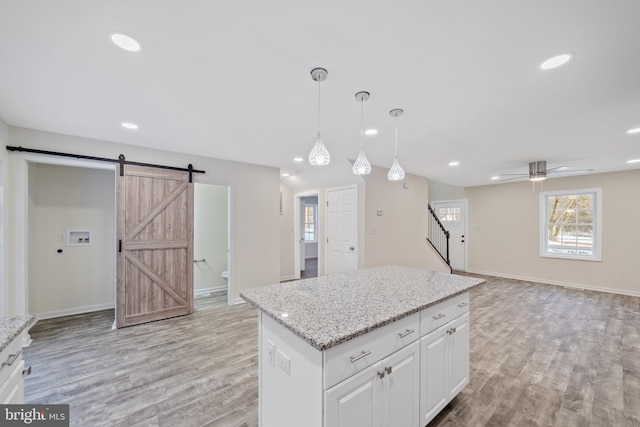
(439, 191)
(397, 237)
(255, 242)
(504, 233)
(5, 295)
(81, 278)
(210, 236)
(287, 243)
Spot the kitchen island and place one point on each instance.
(386, 346)
(11, 363)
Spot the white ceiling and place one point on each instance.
(230, 79)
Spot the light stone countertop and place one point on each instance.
(329, 310)
(11, 327)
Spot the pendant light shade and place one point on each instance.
(362, 165)
(319, 155)
(396, 173)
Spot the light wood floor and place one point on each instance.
(541, 355)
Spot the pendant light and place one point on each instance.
(319, 155)
(362, 165)
(396, 173)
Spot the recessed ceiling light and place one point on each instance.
(125, 42)
(556, 61)
(128, 125)
(633, 161)
(455, 163)
(298, 159)
(286, 174)
(371, 132)
(495, 178)
(634, 130)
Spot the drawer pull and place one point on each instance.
(451, 331)
(360, 356)
(439, 316)
(12, 358)
(27, 371)
(406, 333)
(463, 304)
(381, 374)
(388, 369)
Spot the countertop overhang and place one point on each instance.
(11, 327)
(329, 310)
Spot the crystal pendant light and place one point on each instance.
(319, 155)
(362, 165)
(396, 173)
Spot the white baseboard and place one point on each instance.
(558, 283)
(206, 291)
(239, 301)
(75, 310)
(285, 278)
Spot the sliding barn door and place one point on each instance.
(155, 232)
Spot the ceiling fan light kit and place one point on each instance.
(538, 172)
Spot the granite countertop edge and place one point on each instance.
(11, 327)
(332, 343)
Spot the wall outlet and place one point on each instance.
(271, 353)
(284, 362)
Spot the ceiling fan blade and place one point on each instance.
(514, 178)
(514, 174)
(558, 169)
(571, 171)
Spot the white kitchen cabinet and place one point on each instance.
(384, 395)
(444, 358)
(11, 380)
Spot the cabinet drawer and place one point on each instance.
(353, 356)
(8, 355)
(434, 317)
(12, 389)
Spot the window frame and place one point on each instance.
(597, 224)
(315, 222)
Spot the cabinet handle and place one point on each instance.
(406, 332)
(11, 359)
(381, 374)
(27, 371)
(451, 331)
(360, 356)
(388, 369)
(464, 304)
(439, 316)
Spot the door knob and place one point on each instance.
(351, 248)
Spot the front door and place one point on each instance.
(452, 215)
(155, 258)
(341, 230)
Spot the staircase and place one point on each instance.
(438, 237)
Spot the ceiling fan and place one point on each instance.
(538, 172)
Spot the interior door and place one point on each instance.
(341, 230)
(452, 215)
(155, 232)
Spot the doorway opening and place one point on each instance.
(71, 229)
(306, 235)
(211, 237)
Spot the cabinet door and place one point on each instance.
(401, 388)
(12, 391)
(434, 392)
(355, 402)
(459, 358)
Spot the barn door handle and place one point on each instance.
(120, 245)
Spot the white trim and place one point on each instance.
(597, 224)
(206, 291)
(239, 301)
(572, 285)
(287, 278)
(75, 310)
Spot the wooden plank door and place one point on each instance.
(155, 258)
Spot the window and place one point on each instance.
(310, 223)
(571, 224)
(449, 214)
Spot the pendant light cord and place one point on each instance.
(318, 108)
(362, 123)
(396, 153)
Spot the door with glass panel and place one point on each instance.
(452, 215)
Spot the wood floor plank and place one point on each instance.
(540, 355)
